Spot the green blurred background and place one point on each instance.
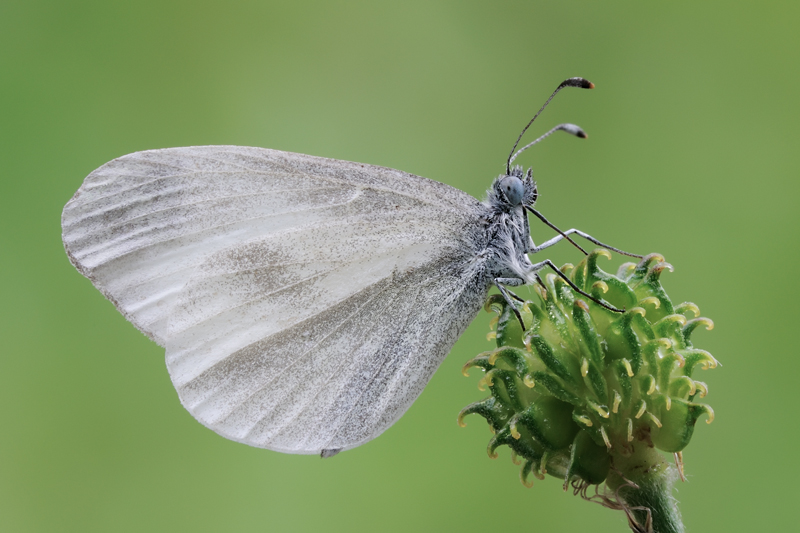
(692, 153)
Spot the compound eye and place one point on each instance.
(513, 189)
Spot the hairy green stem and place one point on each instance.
(649, 505)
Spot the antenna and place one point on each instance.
(571, 82)
(572, 129)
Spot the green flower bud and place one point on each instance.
(587, 394)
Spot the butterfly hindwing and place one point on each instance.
(337, 369)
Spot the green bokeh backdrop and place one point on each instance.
(693, 152)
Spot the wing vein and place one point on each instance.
(188, 174)
(143, 200)
(200, 202)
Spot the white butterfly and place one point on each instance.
(303, 302)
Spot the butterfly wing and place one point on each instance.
(303, 302)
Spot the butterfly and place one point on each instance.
(303, 302)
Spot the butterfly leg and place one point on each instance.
(508, 295)
(535, 268)
(547, 244)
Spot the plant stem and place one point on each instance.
(654, 477)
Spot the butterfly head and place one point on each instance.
(515, 189)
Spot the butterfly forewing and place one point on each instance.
(304, 302)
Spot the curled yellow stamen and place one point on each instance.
(626, 268)
(652, 300)
(602, 251)
(707, 322)
(689, 306)
(664, 342)
(710, 413)
(628, 369)
(708, 360)
(680, 319)
(465, 368)
(541, 291)
(605, 437)
(602, 285)
(656, 420)
(598, 409)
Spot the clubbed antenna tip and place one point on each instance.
(572, 129)
(583, 83)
